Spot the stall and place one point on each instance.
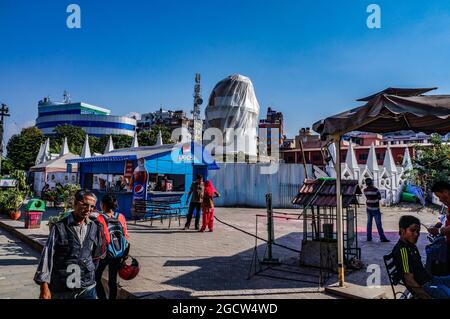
(317, 198)
(390, 110)
(144, 173)
(54, 172)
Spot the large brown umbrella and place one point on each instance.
(389, 113)
(390, 110)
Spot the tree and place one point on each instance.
(148, 138)
(23, 148)
(119, 141)
(94, 145)
(7, 166)
(75, 138)
(22, 185)
(431, 164)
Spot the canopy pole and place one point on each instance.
(339, 221)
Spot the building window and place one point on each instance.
(363, 157)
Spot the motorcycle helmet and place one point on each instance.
(128, 272)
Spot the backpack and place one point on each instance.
(118, 245)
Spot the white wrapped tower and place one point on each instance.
(233, 109)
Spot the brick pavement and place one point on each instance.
(18, 263)
(188, 264)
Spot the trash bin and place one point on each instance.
(33, 213)
(408, 197)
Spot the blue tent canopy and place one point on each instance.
(187, 153)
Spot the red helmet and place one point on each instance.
(128, 272)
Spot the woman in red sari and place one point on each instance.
(208, 206)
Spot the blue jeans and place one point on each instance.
(376, 214)
(438, 287)
(78, 294)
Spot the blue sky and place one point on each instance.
(308, 59)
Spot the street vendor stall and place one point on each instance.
(393, 109)
(144, 173)
(54, 172)
(317, 198)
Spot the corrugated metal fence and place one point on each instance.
(242, 184)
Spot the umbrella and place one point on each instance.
(389, 113)
(390, 110)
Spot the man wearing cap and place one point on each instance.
(373, 197)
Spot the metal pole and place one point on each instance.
(270, 232)
(340, 224)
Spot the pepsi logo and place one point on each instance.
(139, 189)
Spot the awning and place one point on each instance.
(124, 154)
(149, 152)
(322, 193)
(58, 164)
(389, 113)
(399, 92)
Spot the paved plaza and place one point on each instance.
(18, 263)
(178, 263)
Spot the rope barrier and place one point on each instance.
(254, 236)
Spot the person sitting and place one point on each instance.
(442, 190)
(410, 269)
(159, 186)
(120, 185)
(44, 191)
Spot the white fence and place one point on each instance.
(242, 184)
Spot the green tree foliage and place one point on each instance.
(431, 164)
(119, 141)
(22, 185)
(94, 145)
(12, 199)
(23, 148)
(7, 166)
(75, 138)
(148, 138)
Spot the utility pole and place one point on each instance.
(3, 113)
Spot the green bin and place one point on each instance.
(409, 197)
(33, 213)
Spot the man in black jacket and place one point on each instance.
(66, 269)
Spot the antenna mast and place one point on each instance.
(4, 111)
(198, 101)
